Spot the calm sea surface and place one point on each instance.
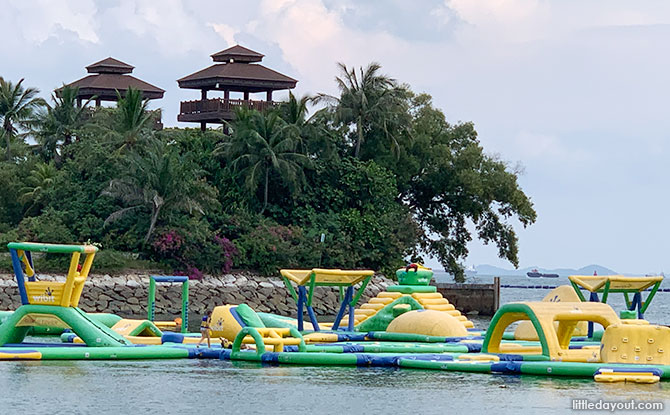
(222, 387)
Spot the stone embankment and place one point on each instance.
(126, 295)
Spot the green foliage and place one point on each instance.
(369, 101)
(17, 110)
(42, 177)
(132, 119)
(11, 209)
(110, 260)
(451, 182)
(61, 124)
(48, 227)
(268, 247)
(162, 181)
(192, 247)
(358, 212)
(264, 145)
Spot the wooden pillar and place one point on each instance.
(246, 95)
(269, 97)
(226, 95)
(496, 294)
(78, 102)
(97, 102)
(203, 126)
(203, 94)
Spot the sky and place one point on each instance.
(576, 92)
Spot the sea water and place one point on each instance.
(224, 387)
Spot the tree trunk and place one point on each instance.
(154, 218)
(8, 129)
(57, 159)
(265, 194)
(359, 130)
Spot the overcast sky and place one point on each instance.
(575, 91)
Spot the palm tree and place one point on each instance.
(134, 116)
(261, 144)
(41, 178)
(127, 123)
(365, 100)
(162, 181)
(17, 108)
(61, 122)
(311, 135)
(294, 111)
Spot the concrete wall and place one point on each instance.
(126, 295)
(481, 298)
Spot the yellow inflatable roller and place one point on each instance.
(383, 300)
(434, 301)
(389, 294)
(426, 296)
(441, 307)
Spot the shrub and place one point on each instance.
(193, 250)
(270, 247)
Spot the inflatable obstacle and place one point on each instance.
(563, 293)
(307, 280)
(151, 308)
(409, 325)
(412, 293)
(628, 352)
(54, 304)
(134, 331)
(606, 284)
(107, 319)
(375, 314)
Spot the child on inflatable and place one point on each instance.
(205, 329)
(227, 344)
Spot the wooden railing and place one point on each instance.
(219, 105)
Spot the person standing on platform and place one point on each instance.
(205, 329)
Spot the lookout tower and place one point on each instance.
(236, 70)
(107, 77)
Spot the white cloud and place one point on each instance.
(225, 31)
(174, 28)
(504, 20)
(38, 20)
(314, 38)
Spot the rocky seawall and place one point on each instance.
(126, 295)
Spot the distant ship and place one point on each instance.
(662, 274)
(470, 271)
(537, 274)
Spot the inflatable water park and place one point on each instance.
(573, 332)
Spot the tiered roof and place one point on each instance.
(238, 72)
(109, 76)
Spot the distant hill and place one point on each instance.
(563, 272)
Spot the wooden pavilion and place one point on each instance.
(107, 77)
(236, 70)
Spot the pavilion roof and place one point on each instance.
(238, 54)
(111, 75)
(237, 77)
(110, 65)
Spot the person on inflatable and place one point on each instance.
(227, 344)
(205, 329)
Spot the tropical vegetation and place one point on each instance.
(371, 178)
